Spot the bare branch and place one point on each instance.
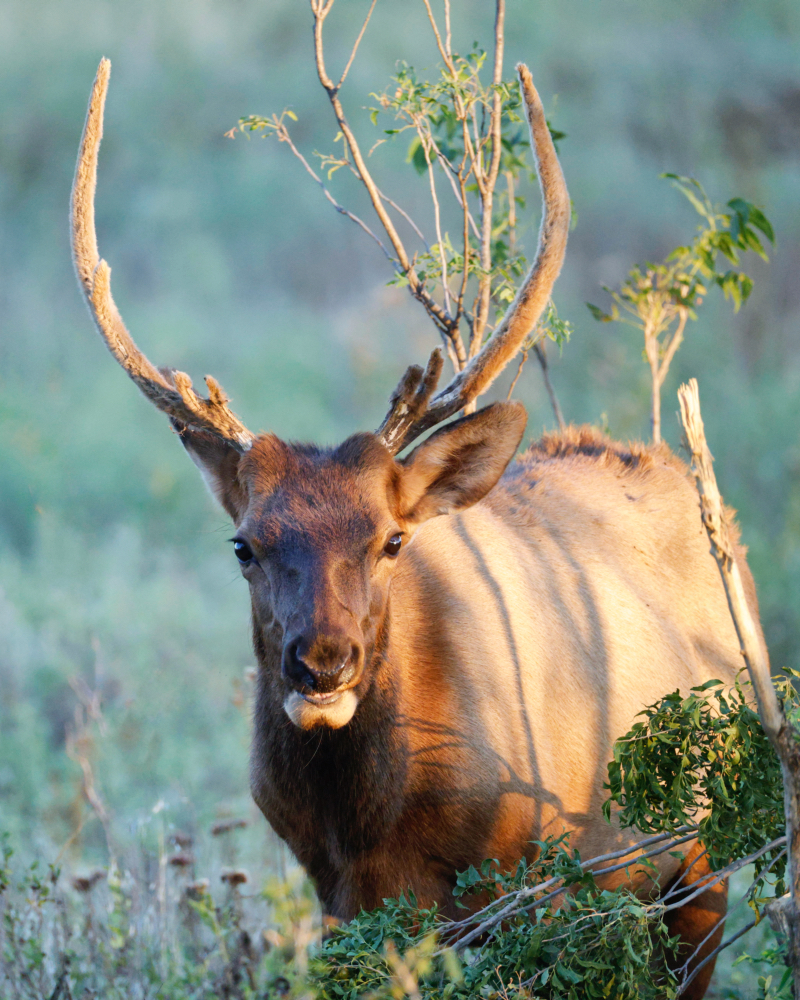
(453, 341)
(539, 348)
(467, 218)
(452, 175)
(689, 976)
(444, 49)
(525, 899)
(282, 134)
(488, 186)
(753, 647)
(713, 954)
(407, 217)
(524, 312)
(435, 311)
(651, 350)
(781, 733)
(171, 391)
(346, 70)
(438, 226)
(654, 326)
(674, 344)
(522, 359)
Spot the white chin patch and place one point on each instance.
(333, 714)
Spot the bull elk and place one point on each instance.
(448, 642)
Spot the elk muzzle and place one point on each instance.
(321, 672)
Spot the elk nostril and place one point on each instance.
(295, 669)
(350, 665)
(320, 667)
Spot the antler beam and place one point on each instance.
(399, 428)
(170, 390)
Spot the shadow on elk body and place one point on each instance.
(448, 643)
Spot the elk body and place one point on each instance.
(449, 642)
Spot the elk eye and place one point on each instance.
(392, 547)
(243, 551)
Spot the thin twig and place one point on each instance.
(523, 358)
(444, 50)
(518, 901)
(355, 47)
(488, 186)
(407, 217)
(677, 887)
(459, 195)
(723, 873)
(743, 898)
(623, 852)
(283, 136)
(674, 344)
(720, 947)
(467, 218)
(400, 211)
(542, 357)
(438, 226)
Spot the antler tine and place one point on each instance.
(171, 391)
(524, 312)
(409, 401)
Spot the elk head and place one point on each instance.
(319, 531)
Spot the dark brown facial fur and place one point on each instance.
(319, 575)
(319, 532)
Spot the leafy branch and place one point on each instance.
(659, 299)
(468, 138)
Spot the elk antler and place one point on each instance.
(170, 390)
(412, 410)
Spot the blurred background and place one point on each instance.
(119, 596)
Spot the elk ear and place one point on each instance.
(458, 465)
(218, 462)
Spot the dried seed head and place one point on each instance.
(226, 826)
(234, 876)
(198, 889)
(181, 860)
(181, 839)
(85, 883)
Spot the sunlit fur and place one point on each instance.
(505, 648)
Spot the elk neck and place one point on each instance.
(346, 782)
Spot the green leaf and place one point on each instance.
(685, 185)
(760, 221)
(416, 155)
(599, 315)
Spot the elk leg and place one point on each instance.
(694, 921)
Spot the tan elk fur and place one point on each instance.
(524, 634)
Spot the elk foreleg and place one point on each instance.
(698, 923)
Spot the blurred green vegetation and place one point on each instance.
(113, 563)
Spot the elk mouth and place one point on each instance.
(318, 698)
(309, 710)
